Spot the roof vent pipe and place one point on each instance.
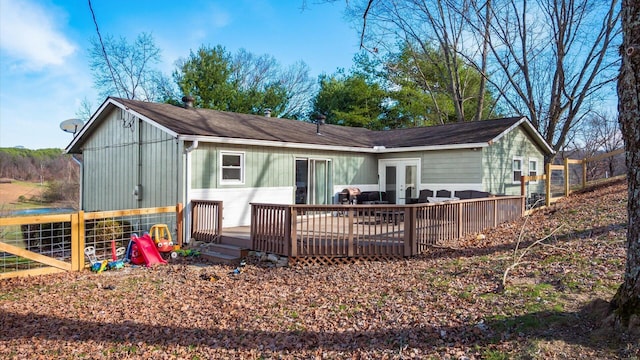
(320, 120)
(188, 101)
(267, 112)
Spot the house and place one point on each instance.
(141, 154)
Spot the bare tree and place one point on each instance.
(599, 133)
(250, 71)
(626, 302)
(126, 69)
(428, 25)
(550, 60)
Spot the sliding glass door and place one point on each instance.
(313, 181)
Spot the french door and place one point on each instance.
(400, 179)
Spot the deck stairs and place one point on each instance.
(232, 247)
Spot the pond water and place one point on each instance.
(41, 211)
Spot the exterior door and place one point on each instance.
(399, 179)
(313, 181)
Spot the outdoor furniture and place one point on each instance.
(372, 197)
(425, 195)
(443, 193)
(348, 195)
(471, 194)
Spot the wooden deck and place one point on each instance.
(352, 231)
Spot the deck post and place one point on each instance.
(495, 211)
(291, 233)
(410, 231)
(350, 241)
(459, 218)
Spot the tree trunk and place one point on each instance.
(626, 302)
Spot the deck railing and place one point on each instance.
(373, 230)
(206, 220)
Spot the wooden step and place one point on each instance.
(239, 241)
(220, 258)
(232, 250)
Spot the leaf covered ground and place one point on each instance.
(446, 304)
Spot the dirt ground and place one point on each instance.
(10, 192)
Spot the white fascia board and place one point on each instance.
(434, 148)
(146, 119)
(281, 144)
(532, 131)
(89, 124)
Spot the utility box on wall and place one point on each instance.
(137, 192)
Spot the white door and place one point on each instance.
(399, 178)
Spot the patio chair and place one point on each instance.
(443, 193)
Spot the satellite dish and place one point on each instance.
(71, 125)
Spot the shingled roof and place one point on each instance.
(213, 125)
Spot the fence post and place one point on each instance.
(567, 188)
(584, 173)
(179, 223)
(78, 242)
(547, 199)
(523, 180)
(75, 243)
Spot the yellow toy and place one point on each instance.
(162, 238)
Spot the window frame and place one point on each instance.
(513, 169)
(533, 160)
(241, 167)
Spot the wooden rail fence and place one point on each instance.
(34, 245)
(549, 168)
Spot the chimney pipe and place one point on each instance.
(188, 101)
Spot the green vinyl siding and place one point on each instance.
(458, 166)
(274, 167)
(461, 166)
(497, 166)
(122, 153)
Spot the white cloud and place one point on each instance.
(29, 35)
(220, 18)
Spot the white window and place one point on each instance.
(517, 169)
(533, 169)
(231, 168)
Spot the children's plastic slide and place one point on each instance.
(147, 248)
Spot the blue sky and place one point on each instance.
(44, 74)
